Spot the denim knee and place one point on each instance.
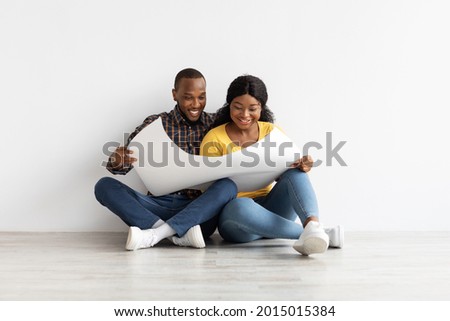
(225, 188)
(235, 210)
(233, 216)
(103, 185)
(293, 173)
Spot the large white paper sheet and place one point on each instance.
(165, 168)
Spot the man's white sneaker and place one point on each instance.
(336, 235)
(139, 239)
(312, 240)
(192, 238)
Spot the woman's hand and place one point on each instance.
(304, 164)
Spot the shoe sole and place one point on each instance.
(196, 237)
(131, 244)
(312, 245)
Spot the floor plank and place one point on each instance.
(95, 266)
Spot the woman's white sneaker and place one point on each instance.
(312, 240)
(336, 235)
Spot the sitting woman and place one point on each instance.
(271, 211)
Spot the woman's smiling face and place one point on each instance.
(245, 111)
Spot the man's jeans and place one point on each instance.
(271, 216)
(179, 211)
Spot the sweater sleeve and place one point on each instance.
(211, 145)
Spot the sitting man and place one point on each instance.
(187, 216)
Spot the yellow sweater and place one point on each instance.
(218, 143)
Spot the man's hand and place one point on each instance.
(121, 158)
(304, 164)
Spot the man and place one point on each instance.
(151, 218)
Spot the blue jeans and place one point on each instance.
(271, 216)
(179, 211)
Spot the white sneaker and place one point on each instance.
(312, 240)
(336, 235)
(139, 239)
(192, 238)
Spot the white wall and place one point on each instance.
(77, 74)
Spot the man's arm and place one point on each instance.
(120, 162)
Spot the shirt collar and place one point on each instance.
(180, 118)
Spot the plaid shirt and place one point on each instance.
(185, 135)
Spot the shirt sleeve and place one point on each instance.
(211, 145)
(125, 169)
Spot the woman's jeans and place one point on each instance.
(179, 211)
(271, 216)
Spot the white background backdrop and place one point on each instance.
(77, 74)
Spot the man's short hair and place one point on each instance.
(189, 73)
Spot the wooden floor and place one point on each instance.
(95, 266)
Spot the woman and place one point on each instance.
(271, 211)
